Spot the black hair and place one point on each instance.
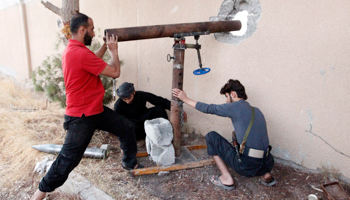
(78, 20)
(234, 85)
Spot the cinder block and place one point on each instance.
(159, 134)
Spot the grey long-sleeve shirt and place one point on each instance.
(240, 114)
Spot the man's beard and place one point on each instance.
(87, 39)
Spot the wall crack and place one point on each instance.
(310, 131)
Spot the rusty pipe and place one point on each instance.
(176, 106)
(174, 30)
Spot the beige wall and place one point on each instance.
(12, 51)
(295, 67)
(42, 33)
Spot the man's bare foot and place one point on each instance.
(266, 176)
(38, 195)
(226, 180)
(267, 180)
(216, 181)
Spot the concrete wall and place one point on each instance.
(28, 36)
(295, 66)
(12, 51)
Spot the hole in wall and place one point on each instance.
(243, 5)
(243, 17)
(246, 11)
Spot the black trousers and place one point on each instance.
(79, 133)
(152, 113)
(249, 167)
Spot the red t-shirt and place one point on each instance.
(84, 89)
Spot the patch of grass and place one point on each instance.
(35, 124)
(330, 173)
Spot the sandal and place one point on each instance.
(269, 182)
(137, 166)
(216, 181)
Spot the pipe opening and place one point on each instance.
(243, 17)
(246, 11)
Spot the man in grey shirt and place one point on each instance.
(255, 159)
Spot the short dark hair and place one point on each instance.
(234, 85)
(78, 20)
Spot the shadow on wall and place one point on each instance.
(247, 11)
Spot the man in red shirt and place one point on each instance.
(85, 111)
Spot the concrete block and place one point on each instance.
(159, 134)
(159, 131)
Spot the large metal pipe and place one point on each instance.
(55, 149)
(170, 30)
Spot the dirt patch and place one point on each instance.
(194, 183)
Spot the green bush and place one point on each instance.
(48, 77)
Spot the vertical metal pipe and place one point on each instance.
(176, 106)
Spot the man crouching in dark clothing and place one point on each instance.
(132, 105)
(255, 159)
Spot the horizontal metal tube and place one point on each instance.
(55, 149)
(169, 30)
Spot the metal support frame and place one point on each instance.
(176, 104)
(178, 31)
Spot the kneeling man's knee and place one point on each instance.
(211, 135)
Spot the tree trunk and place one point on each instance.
(69, 8)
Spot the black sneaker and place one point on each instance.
(137, 166)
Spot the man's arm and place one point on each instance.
(155, 100)
(112, 69)
(223, 110)
(182, 96)
(101, 51)
(118, 107)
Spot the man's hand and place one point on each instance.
(179, 94)
(112, 42)
(182, 96)
(113, 68)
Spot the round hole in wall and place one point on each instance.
(247, 11)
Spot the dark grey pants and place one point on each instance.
(249, 167)
(79, 133)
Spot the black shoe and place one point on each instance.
(137, 166)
